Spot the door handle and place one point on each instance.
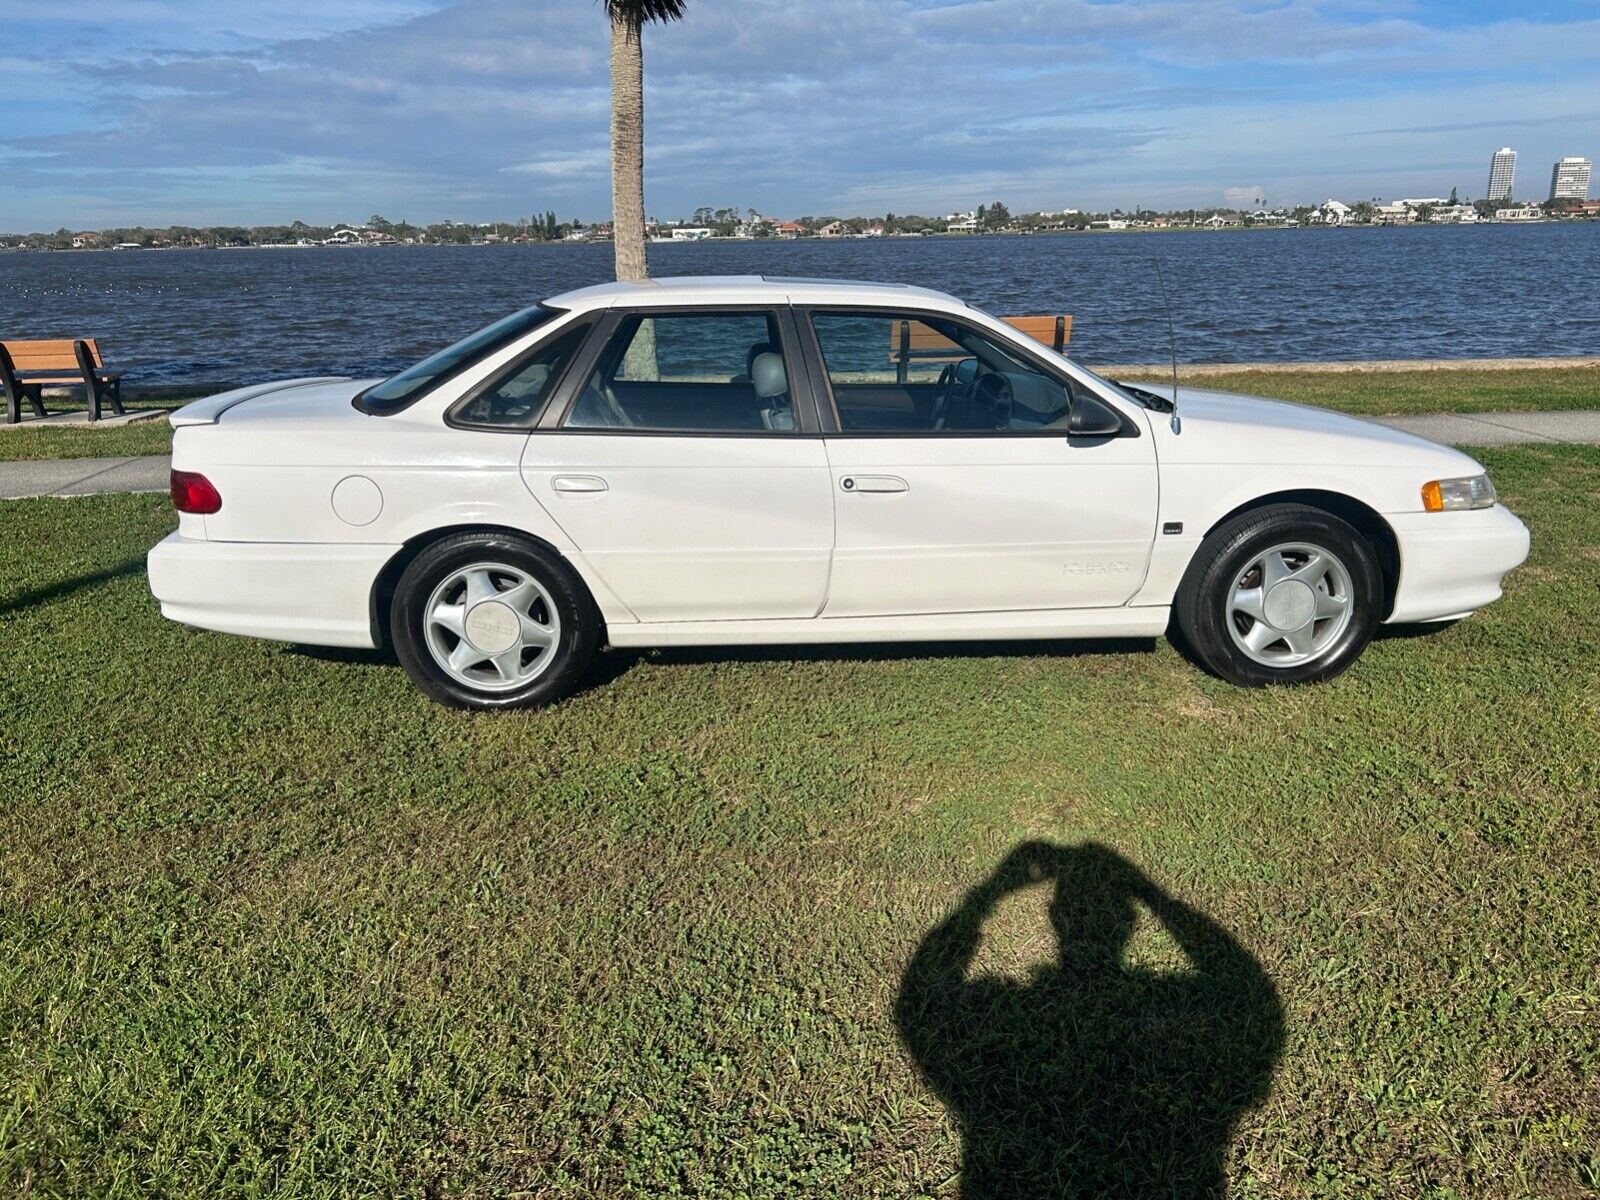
(874, 483)
(579, 483)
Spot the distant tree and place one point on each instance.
(996, 216)
(1453, 200)
(628, 19)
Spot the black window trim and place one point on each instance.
(584, 324)
(828, 405)
(359, 403)
(802, 394)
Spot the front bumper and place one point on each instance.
(317, 595)
(1452, 563)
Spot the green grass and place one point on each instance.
(144, 437)
(273, 923)
(1387, 393)
(1367, 393)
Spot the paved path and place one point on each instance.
(88, 476)
(1501, 429)
(83, 476)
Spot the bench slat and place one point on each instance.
(49, 354)
(928, 345)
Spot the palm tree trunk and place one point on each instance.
(627, 150)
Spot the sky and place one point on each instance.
(123, 112)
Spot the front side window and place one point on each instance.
(690, 373)
(399, 391)
(923, 373)
(513, 400)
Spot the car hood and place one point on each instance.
(307, 402)
(1223, 427)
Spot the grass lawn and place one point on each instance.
(276, 924)
(1366, 393)
(83, 441)
(1388, 393)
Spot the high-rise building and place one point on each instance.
(1569, 179)
(1502, 173)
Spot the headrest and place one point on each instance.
(768, 375)
(751, 354)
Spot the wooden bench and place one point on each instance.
(27, 368)
(915, 342)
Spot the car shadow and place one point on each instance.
(613, 664)
(354, 656)
(883, 651)
(1097, 1076)
(67, 587)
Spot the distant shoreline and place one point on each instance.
(738, 241)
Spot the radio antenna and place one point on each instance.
(1172, 346)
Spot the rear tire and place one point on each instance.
(1285, 594)
(493, 621)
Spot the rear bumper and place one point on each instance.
(1452, 563)
(318, 595)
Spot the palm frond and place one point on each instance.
(639, 13)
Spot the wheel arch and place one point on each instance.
(383, 587)
(1362, 517)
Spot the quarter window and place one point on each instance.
(690, 373)
(514, 400)
(922, 373)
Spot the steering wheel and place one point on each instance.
(992, 394)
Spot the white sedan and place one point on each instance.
(722, 461)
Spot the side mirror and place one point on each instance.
(1093, 418)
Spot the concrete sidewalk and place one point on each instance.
(83, 476)
(90, 476)
(1501, 429)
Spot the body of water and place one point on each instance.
(212, 316)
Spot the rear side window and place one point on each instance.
(704, 372)
(514, 399)
(402, 390)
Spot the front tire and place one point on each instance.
(1285, 594)
(493, 621)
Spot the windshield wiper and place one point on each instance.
(1147, 398)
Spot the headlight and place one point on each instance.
(1452, 495)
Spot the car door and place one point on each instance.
(685, 464)
(956, 485)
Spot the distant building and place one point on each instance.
(691, 233)
(86, 239)
(962, 225)
(1523, 213)
(789, 229)
(833, 229)
(1331, 212)
(1502, 174)
(1398, 213)
(1569, 179)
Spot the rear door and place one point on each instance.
(688, 469)
(957, 487)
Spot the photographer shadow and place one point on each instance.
(1096, 1077)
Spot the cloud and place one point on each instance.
(1243, 197)
(483, 108)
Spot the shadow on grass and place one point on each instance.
(67, 587)
(612, 664)
(884, 651)
(1097, 1077)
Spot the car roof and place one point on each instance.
(672, 290)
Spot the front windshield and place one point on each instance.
(1111, 385)
(398, 391)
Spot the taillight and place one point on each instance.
(192, 492)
